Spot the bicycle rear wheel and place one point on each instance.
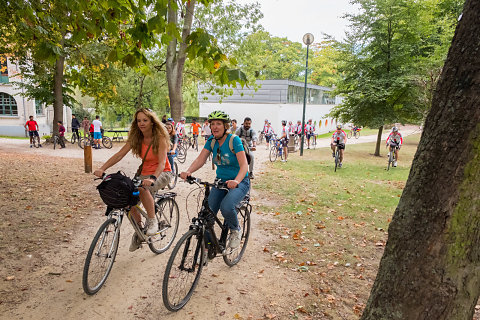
(232, 257)
(273, 154)
(173, 180)
(182, 154)
(168, 217)
(183, 270)
(107, 142)
(101, 256)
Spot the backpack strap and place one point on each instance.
(230, 143)
(139, 171)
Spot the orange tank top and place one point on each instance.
(151, 162)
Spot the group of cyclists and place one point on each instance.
(155, 143)
(338, 138)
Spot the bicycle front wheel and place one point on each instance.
(173, 180)
(168, 217)
(183, 270)
(73, 139)
(357, 134)
(107, 142)
(273, 154)
(101, 256)
(390, 160)
(233, 256)
(337, 158)
(55, 142)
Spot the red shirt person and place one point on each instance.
(32, 127)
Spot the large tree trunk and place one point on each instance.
(431, 265)
(379, 140)
(58, 93)
(175, 61)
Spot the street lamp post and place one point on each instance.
(308, 40)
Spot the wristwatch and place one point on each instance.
(153, 177)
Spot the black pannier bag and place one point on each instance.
(116, 191)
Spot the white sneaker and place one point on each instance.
(234, 240)
(152, 226)
(395, 163)
(135, 244)
(340, 165)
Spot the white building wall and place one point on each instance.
(14, 125)
(275, 113)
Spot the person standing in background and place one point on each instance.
(75, 126)
(97, 131)
(85, 126)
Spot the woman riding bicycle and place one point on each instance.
(232, 167)
(147, 135)
(173, 143)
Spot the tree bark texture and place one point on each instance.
(431, 265)
(58, 93)
(176, 56)
(379, 141)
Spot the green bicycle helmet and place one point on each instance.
(218, 115)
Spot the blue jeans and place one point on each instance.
(226, 201)
(170, 159)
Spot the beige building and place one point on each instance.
(16, 109)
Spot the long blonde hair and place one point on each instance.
(159, 132)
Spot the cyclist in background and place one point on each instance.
(97, 131)
(61, 134)
(148, 136)
(284, 139)
(233, 126)
(232, 168)
(309, 131)
(246, 132)
(206, 131)
(173, 144)
(75, 126)
(85, 126)
(339, 137)
(395, 141)
(32, 127)
(268, 133)
(180, 128)
(195, 130)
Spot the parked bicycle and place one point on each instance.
(103, 250)
(199, 243)
(89, 141)
(276, 150)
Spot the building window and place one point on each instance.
(3, 69)
(314, 96)
(38, 108)
(8, 105)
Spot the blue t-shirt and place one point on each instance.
(228, 166)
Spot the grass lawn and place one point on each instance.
(331, 226)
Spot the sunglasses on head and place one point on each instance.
(219, 158)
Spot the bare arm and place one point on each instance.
(242, 161)
(113, 160)
(196, 164)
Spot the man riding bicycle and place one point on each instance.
(339, 138)
(232, 167)
(246, 132)
(395, 141)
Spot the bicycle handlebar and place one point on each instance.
(219, 184)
